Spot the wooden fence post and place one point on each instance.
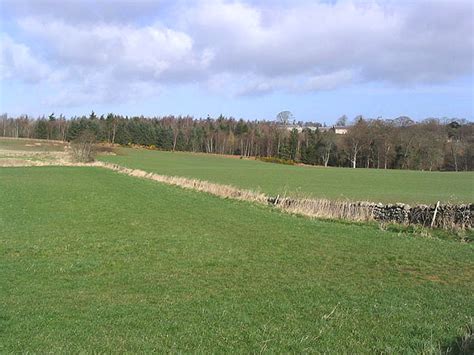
(434, 215)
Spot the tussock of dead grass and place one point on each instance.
(327, 209)
(225, 191)
(318, 208)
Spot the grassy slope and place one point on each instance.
(93, 260)
(356, 184)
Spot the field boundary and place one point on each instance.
(445, 216)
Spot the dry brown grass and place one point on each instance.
(225, 191)
(317, 208)
(33, 158)
(327, 209)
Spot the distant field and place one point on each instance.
(31, 145)
(17, 151)
(355, 184)
(95, 261)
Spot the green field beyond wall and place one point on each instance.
(335, 183)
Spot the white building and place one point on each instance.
(337, 129)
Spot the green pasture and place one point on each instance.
(335, 183)
(94, 261)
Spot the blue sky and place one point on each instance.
(249, 59)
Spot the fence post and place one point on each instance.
(434, 215)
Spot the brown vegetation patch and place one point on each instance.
(225, 191)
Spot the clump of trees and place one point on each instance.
(83, 147)
(401, 143)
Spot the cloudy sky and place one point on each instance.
(242, 58)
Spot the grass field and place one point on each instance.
(37, 145)
(355, 184)
(15, 151)
(92, 260)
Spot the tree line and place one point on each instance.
(401, 143)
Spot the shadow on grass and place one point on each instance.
(462, 345)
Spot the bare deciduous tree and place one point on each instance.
(400, 143)
(83, 147)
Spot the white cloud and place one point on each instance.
(240, 47)
(408, 43)
(330, 81)
(146, 53)
(83, 11)
(18, 62)
(109, 62)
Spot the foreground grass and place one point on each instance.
(96, 261)
(355, 184)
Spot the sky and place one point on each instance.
(245, 59)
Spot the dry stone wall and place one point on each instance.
(448, 216)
